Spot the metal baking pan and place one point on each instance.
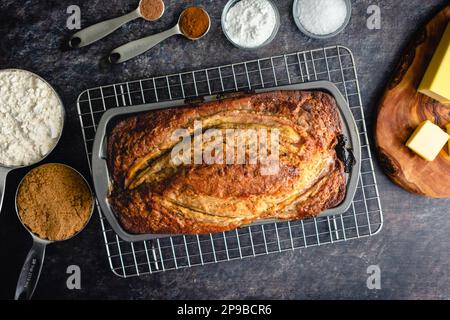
(101, 175)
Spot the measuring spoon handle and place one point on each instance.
(134, 48)
(100, 30)
(3, 174)
(31, 271)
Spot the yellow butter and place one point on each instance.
(436, 82)
(448, 131)
(427, 140)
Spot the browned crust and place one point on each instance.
(141, 210)
(159, 220)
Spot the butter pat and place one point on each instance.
(436, 83)
(427, 140)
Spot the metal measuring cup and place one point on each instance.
(138, 47)
(102, 29)
(4, 170)
(31, 269)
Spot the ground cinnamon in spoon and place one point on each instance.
(54, 202)
(151, 9)
(194, 22)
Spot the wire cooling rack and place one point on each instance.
(364, 218)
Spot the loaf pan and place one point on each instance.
(100, 169)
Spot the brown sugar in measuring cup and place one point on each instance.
(54, 203)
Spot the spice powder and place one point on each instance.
(194, 22)
(151, 9)
(54, 202)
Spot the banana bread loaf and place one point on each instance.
(152, 193)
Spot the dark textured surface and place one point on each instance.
(412, 250)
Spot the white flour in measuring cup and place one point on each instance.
(31, 118)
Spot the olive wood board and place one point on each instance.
(402, 108)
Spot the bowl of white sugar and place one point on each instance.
(321, 19)
(31, 120)
(250, 24)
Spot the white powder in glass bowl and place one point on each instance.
(322, 17)
(31, 118)
(250, 23)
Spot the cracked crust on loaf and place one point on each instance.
(149, 194)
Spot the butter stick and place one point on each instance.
(436, 83)
(448, 131)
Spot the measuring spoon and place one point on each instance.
(134, 48)
(102, 29)
(31, 269)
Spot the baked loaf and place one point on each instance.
(151, 194)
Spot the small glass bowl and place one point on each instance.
(230, 4)
(348, 3)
